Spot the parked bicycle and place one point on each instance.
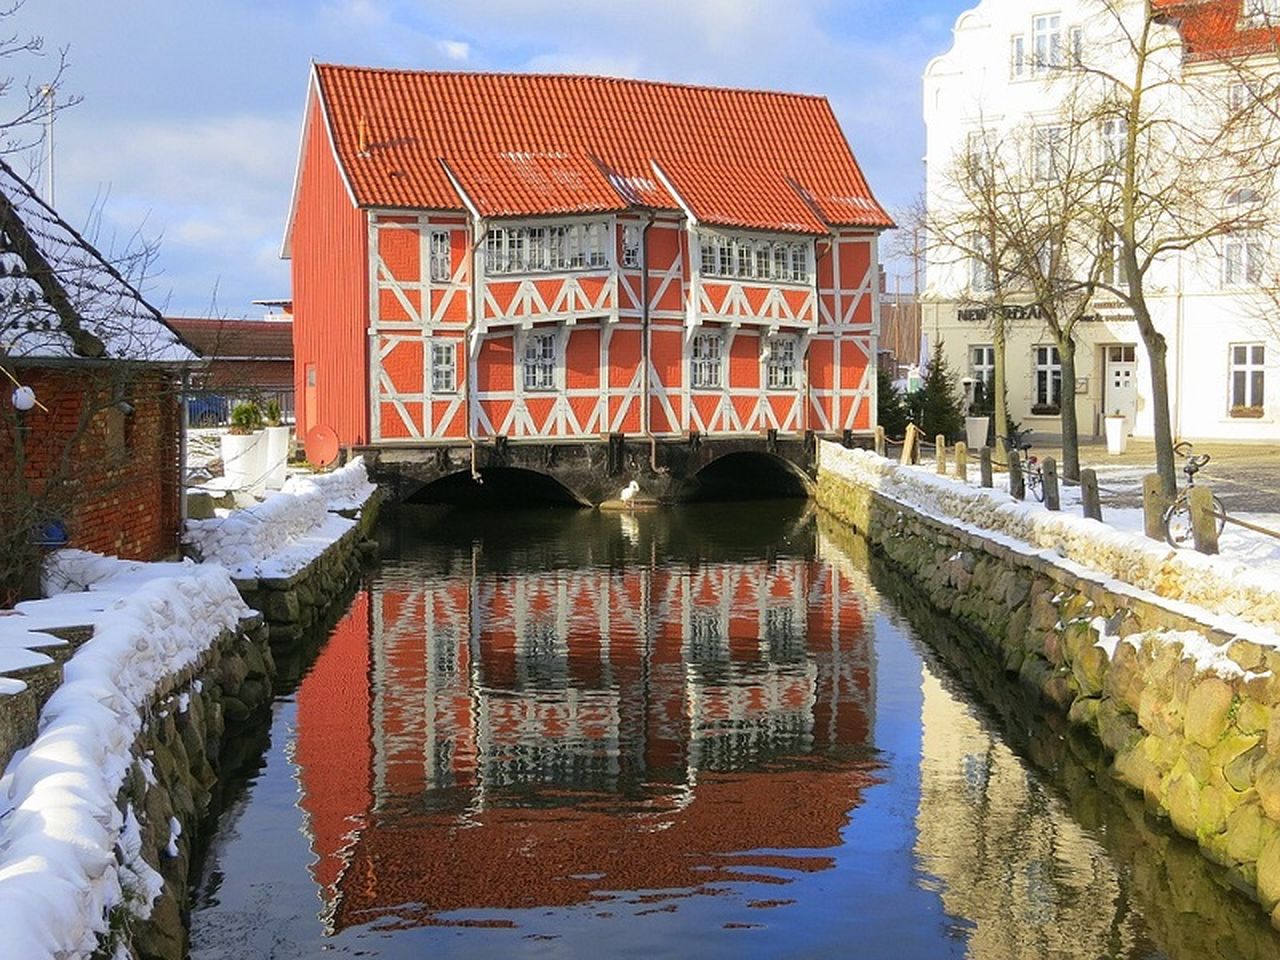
(1019, 446)
(1177, 518)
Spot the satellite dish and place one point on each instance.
(321, 446)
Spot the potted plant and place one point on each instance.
(1117, 428)
(277, 447)
(977, 421)
(243, 447)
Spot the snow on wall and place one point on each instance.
(1244, 595)
(60, 828)
(286, 531)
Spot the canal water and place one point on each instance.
(712, 731)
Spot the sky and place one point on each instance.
(186, 130)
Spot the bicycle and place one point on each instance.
(1020, 447)
(1177, 518)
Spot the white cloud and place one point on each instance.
(455, 50)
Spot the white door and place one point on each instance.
(1121, 394)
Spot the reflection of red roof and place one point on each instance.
(536, 141)
(218, 339)
(1217, 28)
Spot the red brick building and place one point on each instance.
(541, 258)
(95, 456)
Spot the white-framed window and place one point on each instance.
(1077, 46)
(539, 361)
(1113, 273)
(441, 256)
(706, 362)
(1048, 143)
(1242, 255)
(1017, 57)
(781, 367)
(1046, 42)
(1242, 96)
(754, 257)
(538, 249)
(1248, 374)
(1113, 137)
(982, 366)
(444, 367)
(1048, 379)
(630, 245)
(981, 279)
(1258, 13)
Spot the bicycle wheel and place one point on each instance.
(1220, 514)
(1177, 524)
(1035, 481)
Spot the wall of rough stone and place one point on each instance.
(1188, 716)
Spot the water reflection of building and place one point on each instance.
(1007, 857)
(524, 739)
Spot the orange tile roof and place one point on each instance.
(530, 144)
(1213, 29)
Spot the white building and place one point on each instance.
(1005, 72)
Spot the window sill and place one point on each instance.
(1250, 414)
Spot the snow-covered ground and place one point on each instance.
(68, 855)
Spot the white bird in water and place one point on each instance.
(629, 492)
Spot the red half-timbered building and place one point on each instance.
(550, 258)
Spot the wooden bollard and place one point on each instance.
(984, 467)
(1089, 499)
(1154, 503)
(1204, 522)
(1049, 477)
(1017, 482)
(940, 454)
(908, 441)
(962, 460)
(879, 440)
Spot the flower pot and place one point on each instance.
(1117, 429)
(243, 459)
(975, 431)
(277, 456)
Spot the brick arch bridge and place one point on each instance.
(592, 472)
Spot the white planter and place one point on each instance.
(1117, 434)
(277, 456)
(243, 457)
(975, 431)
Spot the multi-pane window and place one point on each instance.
(1114, 139)
(982, 366)
(707, 372)
(1048, 374)
(1247, 374)
(540, 361)
(444, 367)
(1242, 256)
(441, 263)
(1017, 57)
(1242, 96)
(1077, 47)
(1048, 146)
(570, 246)
(981, 279)
(1046, 42)
(630, 246)
(781, 369)
(754, 258)
(1261, 12)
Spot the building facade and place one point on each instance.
(1004, 72)
(544, 258)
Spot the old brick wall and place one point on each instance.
(109, 470)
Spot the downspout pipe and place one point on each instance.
(481, 233)
(644, 346)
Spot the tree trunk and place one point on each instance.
(1157, 351)
(1067, 403)
(1001, 407)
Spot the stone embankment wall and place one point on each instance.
(1188, 712)
(170, 784)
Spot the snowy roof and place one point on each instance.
(62, 299)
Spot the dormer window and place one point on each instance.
(1260, 13)
(542, 249)
(753, 257)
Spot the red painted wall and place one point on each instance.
(330, 294)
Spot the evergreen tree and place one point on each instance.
(891, 410)
(937, 405)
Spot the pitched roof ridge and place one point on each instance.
(589, 77)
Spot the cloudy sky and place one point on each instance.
(188, 125)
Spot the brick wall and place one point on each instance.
(112, 475)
